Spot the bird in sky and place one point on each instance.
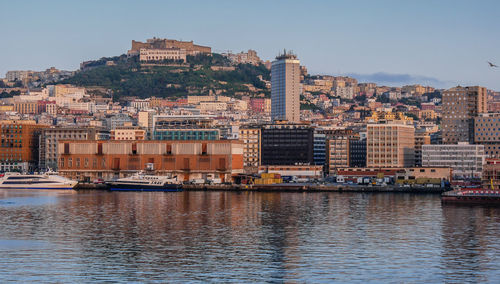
(492, 65)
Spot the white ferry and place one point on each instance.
(143, 182)
(35, 181)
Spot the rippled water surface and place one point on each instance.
(56, 236)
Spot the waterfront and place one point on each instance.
(79, 236)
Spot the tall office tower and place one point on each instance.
(285, 88)
(460, 106)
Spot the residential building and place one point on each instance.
(487, 133)
(49, 141)
(337, 152)
(390, 145)
(285, 88)
(460, 106)
(19, 145)
(26, 107)
(249, 135)
(421, 138)
(128, 133)
(466, 160)
(186, 160)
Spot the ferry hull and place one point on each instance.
(125, 187)
(471, 200)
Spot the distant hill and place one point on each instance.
(127, 77)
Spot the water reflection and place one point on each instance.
(250, 237)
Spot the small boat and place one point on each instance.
(472, 196)
(143, 182)
(35, 181)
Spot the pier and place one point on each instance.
(291, 187)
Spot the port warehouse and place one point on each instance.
(187, 160)
(412, 175)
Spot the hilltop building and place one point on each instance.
(166, 44)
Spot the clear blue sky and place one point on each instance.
(439, 42)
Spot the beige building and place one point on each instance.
(198, 99)
(285, 88)
(390, 145)
(459, 107)
(163, 43)
(128, 133)
(421, 138)
(250, 136)
(26, 107)
(49, 142)
(487, 133)
(337, 153)
(162, 54)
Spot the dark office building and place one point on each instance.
(287, 144)
(357, 153)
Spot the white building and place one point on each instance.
(162, 54)
(466, 160)
(285, 88)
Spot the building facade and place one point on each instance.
(390, 145)
(49, 141)
(459, 107)
(466, 160)
(186, 160)
(128, 133)
(357, 153)
(286, 144)
(250, 137)
(176, 54)
(285, 88)
(19, 145)
(487, 133)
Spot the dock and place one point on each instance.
(291, 187)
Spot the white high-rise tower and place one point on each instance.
(285, 88)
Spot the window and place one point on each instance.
(77, 162)
(70, 162)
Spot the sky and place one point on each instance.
(439, 43)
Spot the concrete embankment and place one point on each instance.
(290, 188)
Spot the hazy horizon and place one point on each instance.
(441, 44)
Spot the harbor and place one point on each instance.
(293, 187)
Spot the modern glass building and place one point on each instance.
(186, 134)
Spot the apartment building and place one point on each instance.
(250, 137)
(128, 133)
(459, 107)
(19, 145)
(487, 133)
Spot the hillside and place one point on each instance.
(128, 77)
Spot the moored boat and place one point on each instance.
(142, 182)
(35, 181)
(472, 196)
